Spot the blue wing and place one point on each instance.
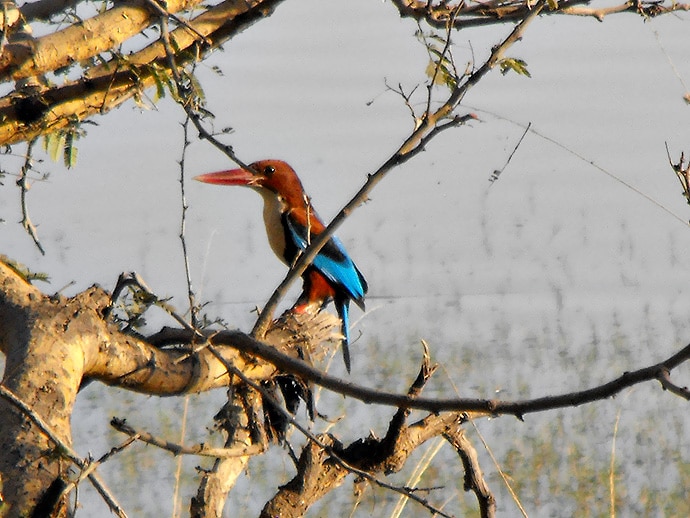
(334, 263)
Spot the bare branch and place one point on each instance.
(682, 172)
(664, 378)
(498, 172)
(24, 186)
(90, 467)
(474, 478)
(178, 449)
(483, 406)
(324, 463)
(84, 40)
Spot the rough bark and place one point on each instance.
(32, 57)
(325, 462)
(321, 470)
(29, 112)
(54, 343)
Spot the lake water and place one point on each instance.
(554, 278)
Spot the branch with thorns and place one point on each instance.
(24, 186)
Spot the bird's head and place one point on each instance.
(275, 176)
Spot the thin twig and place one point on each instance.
(202, 450)
(439, 64)
(193, 307)
(23, 183)
(160, 9)
(91, 466)
(185, 100)
(499, 172)
(599, 168)
(134, 279)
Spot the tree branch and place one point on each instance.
(483, 406)
(24, 187)
(202, 450)
(65, 450)
(493, 12)
(24, 116)
(78, 42)
(53, 344)
(474, 478)
(324, 462)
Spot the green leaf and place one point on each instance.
(442, 76)
(52, 143)
(161, 82)
(197, 89)
(62, 143)
(516, 65)
(69, 152)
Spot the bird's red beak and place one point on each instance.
(231, 177)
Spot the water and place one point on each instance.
(553, 279)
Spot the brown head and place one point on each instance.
(275, 176)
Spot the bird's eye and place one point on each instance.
(269, 170)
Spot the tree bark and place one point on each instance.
(54, 343)
(26, 114)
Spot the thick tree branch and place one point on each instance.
(81, 41)
(52, 344)
(24, 116)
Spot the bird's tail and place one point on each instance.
(343, 308)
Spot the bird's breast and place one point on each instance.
(273, 211)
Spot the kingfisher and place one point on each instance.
(291, 224)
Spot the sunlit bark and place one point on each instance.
(53, 344)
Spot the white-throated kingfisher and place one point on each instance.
(291, 223)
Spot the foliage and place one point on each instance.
(514, 64)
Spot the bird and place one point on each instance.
(291, 224)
